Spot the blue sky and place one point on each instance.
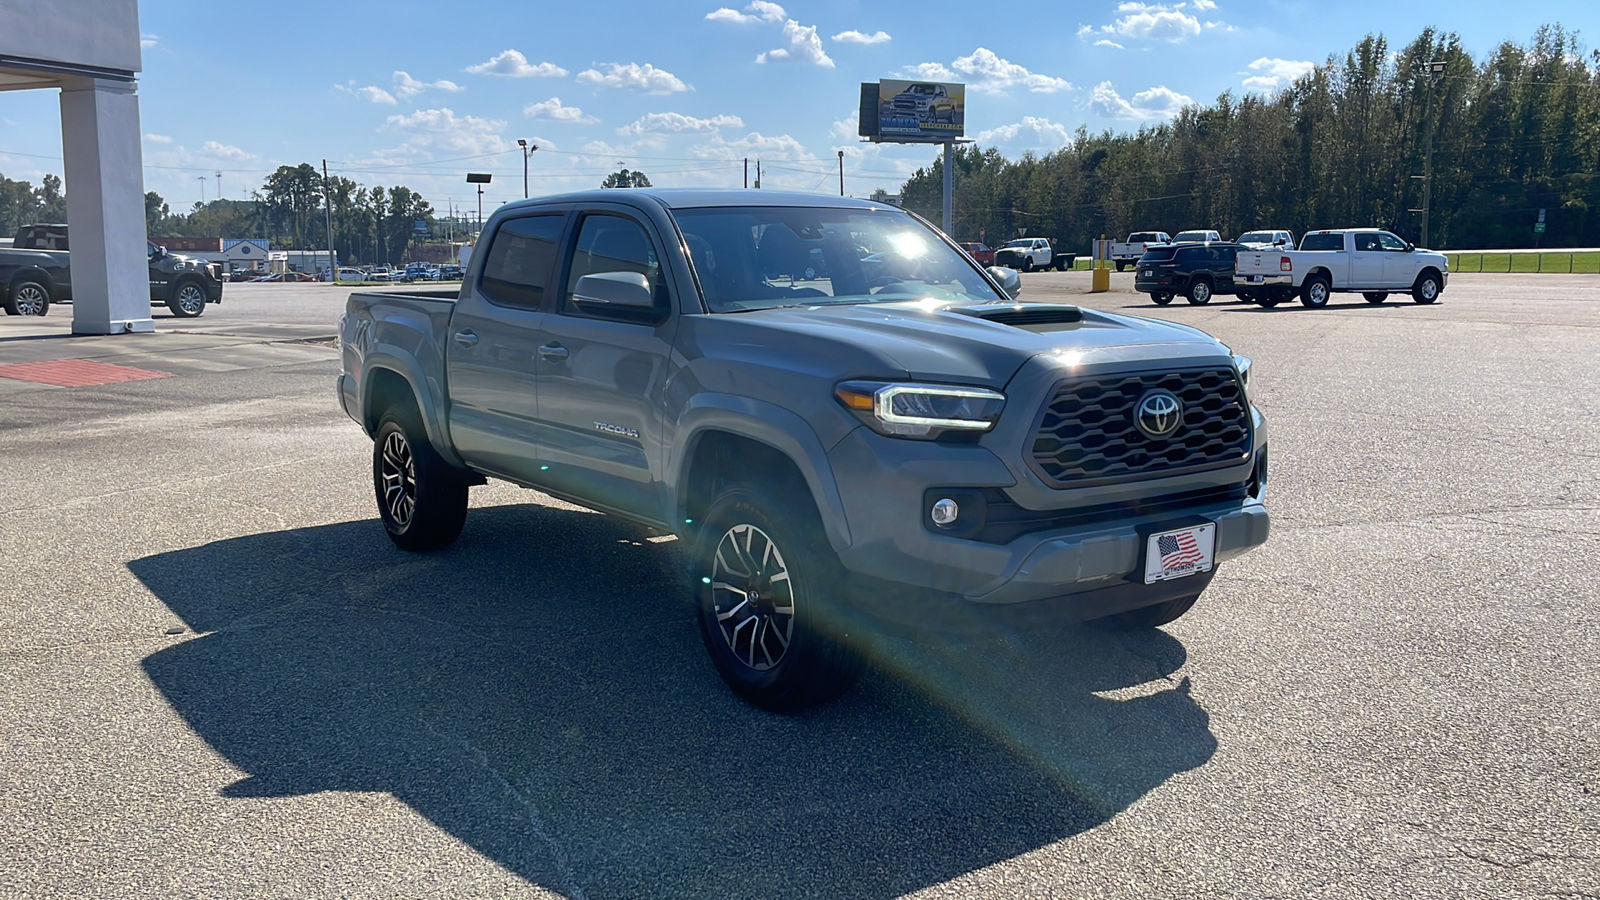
(420, 93)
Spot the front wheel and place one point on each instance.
(770, 607)
(28, 298)
(1199, 293)
(1161, 298)
(1027, 264)
(1375, 297)
(422, 499)
(189, 301)
(1426, 290)
(1315, 293)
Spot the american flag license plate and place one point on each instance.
(1176, 554)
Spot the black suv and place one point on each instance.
(1197, 271)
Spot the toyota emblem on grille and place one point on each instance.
(1159, 414)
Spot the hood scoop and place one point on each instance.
(1029, 316)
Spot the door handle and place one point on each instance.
(466, 338)
(553, 352)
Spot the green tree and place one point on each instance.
(625, 179)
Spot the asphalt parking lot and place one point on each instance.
(218, 678)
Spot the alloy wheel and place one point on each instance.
(191, 299)
(399, 473)
(30, 301)
(752, 597)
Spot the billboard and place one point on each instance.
(913, 111)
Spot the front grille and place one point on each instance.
(1087, 434)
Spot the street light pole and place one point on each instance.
(841, 173)
(527, 150)
(1435, 67)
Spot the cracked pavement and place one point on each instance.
(1399, 695)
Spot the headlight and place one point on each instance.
(922, 411)
(1242, 364)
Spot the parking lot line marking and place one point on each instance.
(75, 373)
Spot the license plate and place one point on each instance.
(1255, 279)
(1180, 553)
(1148, 273)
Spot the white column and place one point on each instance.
(105, 207)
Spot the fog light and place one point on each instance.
(945, 512)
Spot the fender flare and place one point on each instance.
(424, 390)
(765, 423)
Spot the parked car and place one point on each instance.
(1184, 237)
(910, 448)
(1128, 252)
(38, 272)
(1266, 240)
(1028, 254)
(1368, 261)
(351, 274)
(450, 272)
(982, 254)
(1196, 271)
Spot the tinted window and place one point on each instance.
(1225, 255)
(1322, 242)
(614, 244)
(520, 261)
(1143, 237)
(1158, 254)
(1192, 255)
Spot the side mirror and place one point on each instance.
(1009, 280)
(1410, 247)
(617, 290)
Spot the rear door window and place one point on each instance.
(522, 260)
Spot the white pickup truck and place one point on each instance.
(1366, 260)
(1128, 252)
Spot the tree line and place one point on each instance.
(1512, 134)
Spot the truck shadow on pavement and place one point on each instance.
(539, 692)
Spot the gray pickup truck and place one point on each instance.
(890, 438)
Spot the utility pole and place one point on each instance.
(1435, 67)
(202, 189)
(333, 267)
(219, 185)
(747, 173)
(841, 173)
(758, 174)
(949, 183)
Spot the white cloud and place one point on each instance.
(1155, 103)
(992, 74)
(147, 41)
(225, 151)
(1050, 134)
(370, 93)
(441, 130)
(857, 37)
(552, 109)
(804, 46)
(1203, 5)
(680, 123)
(152, 138)
(759, 11)
(646, 78)
(931, 71)
(1157, 24)
(512, 64)
(406, 87)
(1271, 74)
(780, 146)
(1106, 43)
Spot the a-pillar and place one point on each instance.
(105, 207)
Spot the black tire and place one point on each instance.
(1161, 298)
(1199, 293)
(1121, 264)
(1245, 297)
(1315, 292)
(776, 659)
(188, 299)
(1427, 288)
(1152, 616)
(1269, 299)
(422, 499)
(28, 298)
(1375, 297)
(1027, 264)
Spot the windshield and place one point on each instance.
(1143, 237)
(1026, 245)
(1256, 237)
(1191, 235)
(749, 258)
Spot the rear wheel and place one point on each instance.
(771, 607)
(1152, 616)
(1121, 264)
(1426, 290)
(28, 298)
(1375, 296)
(1315, 293)
(1270, 299)
(1161, 298)
(1199, 293)
(422, 499)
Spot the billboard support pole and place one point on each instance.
(949, 182)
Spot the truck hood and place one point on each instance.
(984, 344)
